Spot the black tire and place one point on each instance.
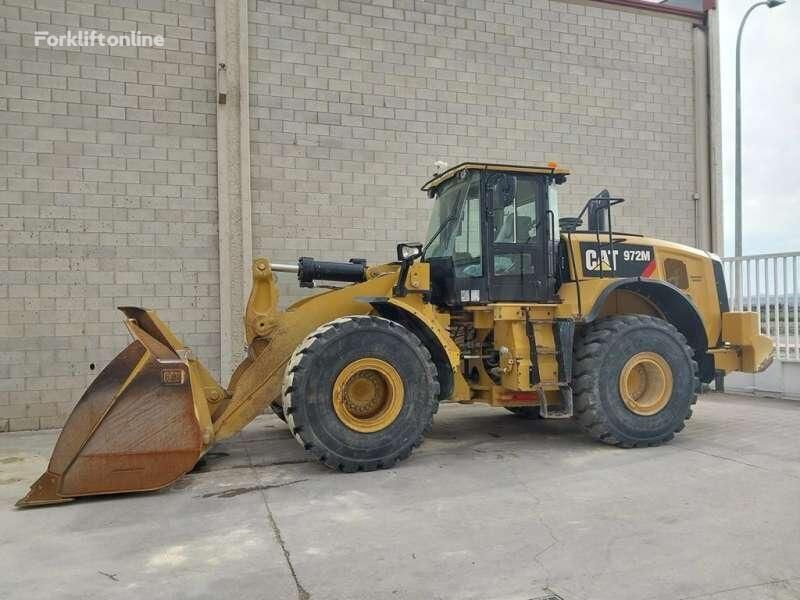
(601, 350)
(308, 387)
(525, 412)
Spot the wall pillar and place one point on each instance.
(702, 185)
(233, 177)
(715, 135)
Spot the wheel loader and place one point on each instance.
(506, 304)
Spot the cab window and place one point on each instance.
(514, 204)
(514, 210)
(467, 255)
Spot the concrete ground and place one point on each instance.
(489, 507)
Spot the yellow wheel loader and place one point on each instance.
(506, 304)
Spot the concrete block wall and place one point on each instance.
(107, 193)
(352, 102)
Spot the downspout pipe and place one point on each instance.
(702, 166)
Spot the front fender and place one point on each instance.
(430, 327)
(257, 382)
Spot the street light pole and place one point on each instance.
(737, 252)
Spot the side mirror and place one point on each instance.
(598, 214)
(569, 224)
(408, 252)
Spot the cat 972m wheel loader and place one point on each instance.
(506, 304)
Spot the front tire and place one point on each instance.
(359, 393)
(635, 380)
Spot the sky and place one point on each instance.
(770, 124)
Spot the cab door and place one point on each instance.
(517, 231)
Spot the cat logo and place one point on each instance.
(620, 260)
(603, 263)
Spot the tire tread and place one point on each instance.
(590, 346)
(306, 353)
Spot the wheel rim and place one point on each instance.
(368, 395)
(645, 383)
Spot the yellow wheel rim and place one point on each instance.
(368, 395)
(645, 383)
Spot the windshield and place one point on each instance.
(447, 206)
(459, 202)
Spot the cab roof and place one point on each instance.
(438, 179)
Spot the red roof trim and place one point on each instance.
(662, 8)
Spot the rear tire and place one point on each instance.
(620, 413)
(340, 431)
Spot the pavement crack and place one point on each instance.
(283, 462)
(277, 463)
(302, 593)
(741, 462)
(111, 576)
(537, 557)
(740, 587)
(230, 493)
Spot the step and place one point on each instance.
(565, 411)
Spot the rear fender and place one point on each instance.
(676, 307)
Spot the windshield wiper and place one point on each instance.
(444, 224)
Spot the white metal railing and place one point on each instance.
(768, 286)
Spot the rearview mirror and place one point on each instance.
(408, 252)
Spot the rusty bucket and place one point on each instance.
(143, 422)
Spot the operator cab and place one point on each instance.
(493, 234)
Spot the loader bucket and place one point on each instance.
(140, 425)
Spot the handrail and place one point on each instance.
(769, 287)
(748, 256)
